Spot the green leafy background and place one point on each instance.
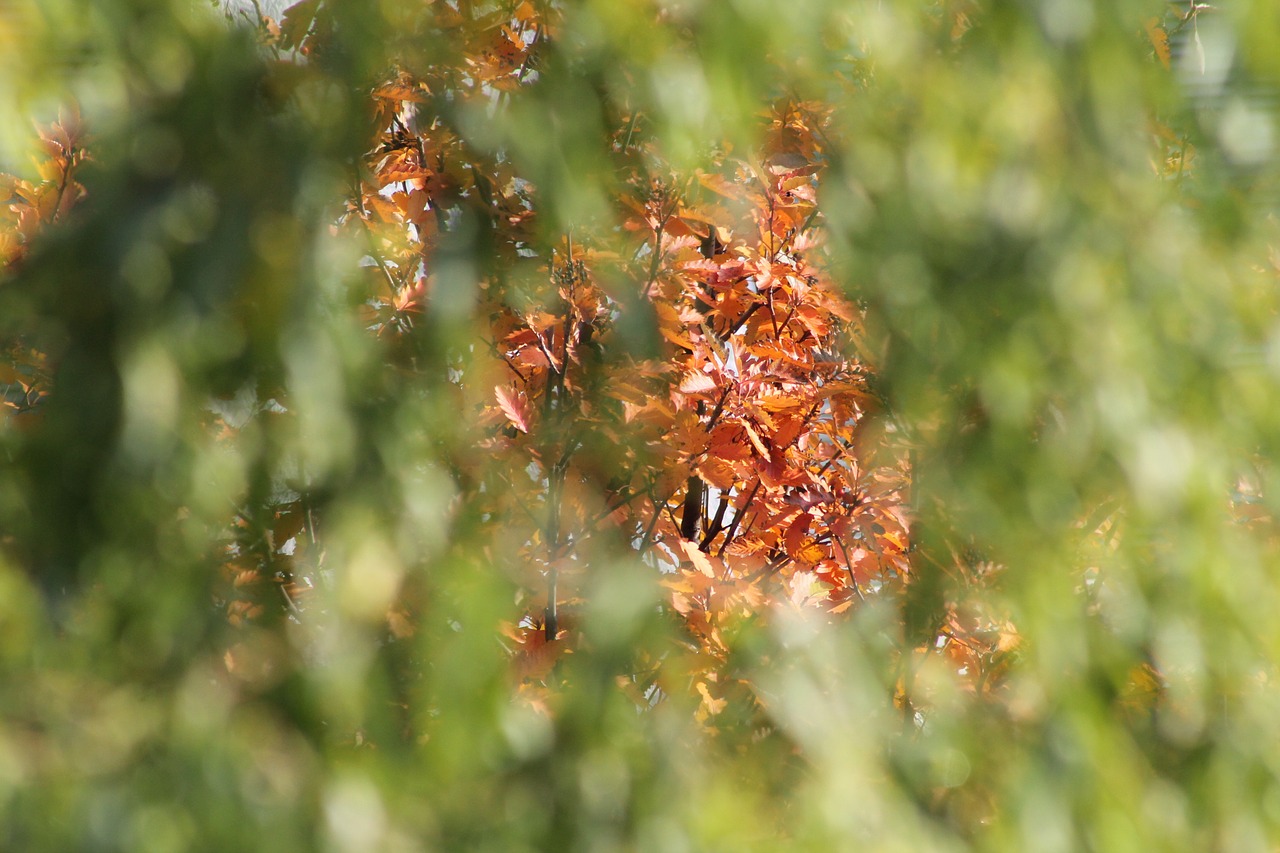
(1079, 339)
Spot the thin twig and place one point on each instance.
(849, 566)
(737, 518)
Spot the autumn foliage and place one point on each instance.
(32, 206)
(684, 380)
(739, 450)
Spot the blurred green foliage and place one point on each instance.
(1074, 324)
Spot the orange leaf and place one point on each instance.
(514, 406)
(862, 565)
(788, 431)
(725, 444)
(720, 185)
(403, 88)
(697, 382)
(671, 327)
(532, 357)
(755, 440)
(796, 534)
(525, 12)
(700, 561)
(536, 660)
(811, 554)
(1159, 40)
(710, 704)
(717, 472)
